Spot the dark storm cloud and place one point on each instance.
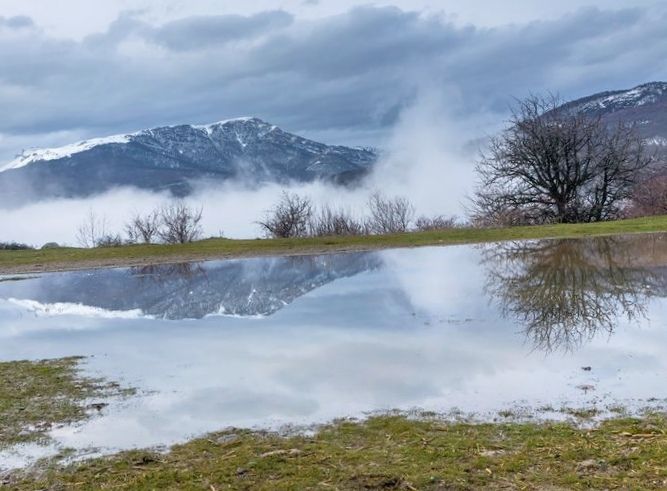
(351, 72)
(17, 22)
(201, 32)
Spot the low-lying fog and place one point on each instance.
(427, 158)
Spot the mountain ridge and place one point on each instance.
(644, 106)
(173, 157)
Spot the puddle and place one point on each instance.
(543, 329)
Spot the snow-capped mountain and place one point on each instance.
(173, 157)
(644, 106)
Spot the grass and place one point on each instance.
(389, 452)
(37, 395)
(383, 452)
(68, 258)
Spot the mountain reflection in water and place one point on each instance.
(561, 292)
(444, 329)
(248, 287)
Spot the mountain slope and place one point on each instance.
(175, 156)
(644, 106)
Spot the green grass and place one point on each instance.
(64, 258)
(37, 395)
(384, 452)
(389, 452)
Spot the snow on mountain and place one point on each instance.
(172, 157)
(644, 106)
(650, 93)
(43, 154)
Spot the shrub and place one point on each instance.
(329, 222)
(14, 246)
(389, 215)
(290, 217)
(179, 224)
(439, 222)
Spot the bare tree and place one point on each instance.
(290, 217)
(649, 196)
(330, 221)
(179, 224)
(553, 164)
(439, 222)
(143, 228)
(91, 230)
(389, 215)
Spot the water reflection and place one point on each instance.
(345, 334)
(251, 287)
(564, 292)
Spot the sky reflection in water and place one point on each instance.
(300, 340)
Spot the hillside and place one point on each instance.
(173, 157)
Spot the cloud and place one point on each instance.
(16, 22)
(210, 31)
(349, 75)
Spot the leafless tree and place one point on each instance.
(553, 164)
(389, 215)
(330, 221)
(290, 217)
(439, 222)
(649, 196)
(179, 224)
(91, 230)
(143, 228)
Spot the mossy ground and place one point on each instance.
(389, 452)
(73, 258)
(37, 395)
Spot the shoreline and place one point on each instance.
(74, 259)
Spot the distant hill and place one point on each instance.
(644, 106)
(172, 157)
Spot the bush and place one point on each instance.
(14, 246)
(179, 224)
(329, 222)
(109, 240)
(649, 197)
(143, 228)
(290, 217)
(439, 222)
(389, 215)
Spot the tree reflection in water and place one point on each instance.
(564, 292)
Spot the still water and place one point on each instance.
(534, 328)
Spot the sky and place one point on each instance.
(339, 71)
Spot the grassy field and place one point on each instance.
(73, 258)
(388, 452)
